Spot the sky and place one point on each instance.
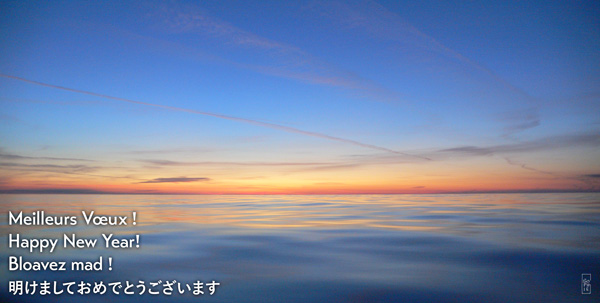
(299, 97)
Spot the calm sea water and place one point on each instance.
(366, 248)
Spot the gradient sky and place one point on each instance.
(299, 97)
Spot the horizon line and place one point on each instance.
(97, 192)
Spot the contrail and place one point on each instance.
(221, 116)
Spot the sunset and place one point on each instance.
(360, 98)
(334, 115)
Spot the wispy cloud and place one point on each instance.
(9, 118)
(343, 163)
(519, 120)
(468, 151)
(54, 102)
(51, 167)
(221, 116)
(591, 181)
(188, 18)
(374, 18)
(290, 166)
(218, 163)
(54, 169)
(525, 166)
(376, 21)
(49, 191)
(278, 58)
(4, 155)
(591, 139)
(176, 180)
(539, 145)
(171, 151)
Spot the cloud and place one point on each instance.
(4, 155)
(522, 126)
(410, 48)
(51, 167)
(278, 59)
(525, 166)
(343, 166)
(520, 120)
(9, 118)
(176, 180)
(186, 19)
(52, 191)
(290, 166)
(562, 141)
(344, 163)
(221, 116)
(77, 170)
(171, 151)
(591, 181)
(591, 139)
(468, 150)
(526, 191)
(54, 102)
(373, 18)
(207, 163)
(548, 143)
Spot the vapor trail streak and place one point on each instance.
(221, 116)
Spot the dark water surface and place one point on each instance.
(366, 248)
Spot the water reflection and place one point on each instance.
(368, 248)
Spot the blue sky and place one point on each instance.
(496, 95)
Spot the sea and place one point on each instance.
(542, 247)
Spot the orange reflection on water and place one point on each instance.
(434, 213)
